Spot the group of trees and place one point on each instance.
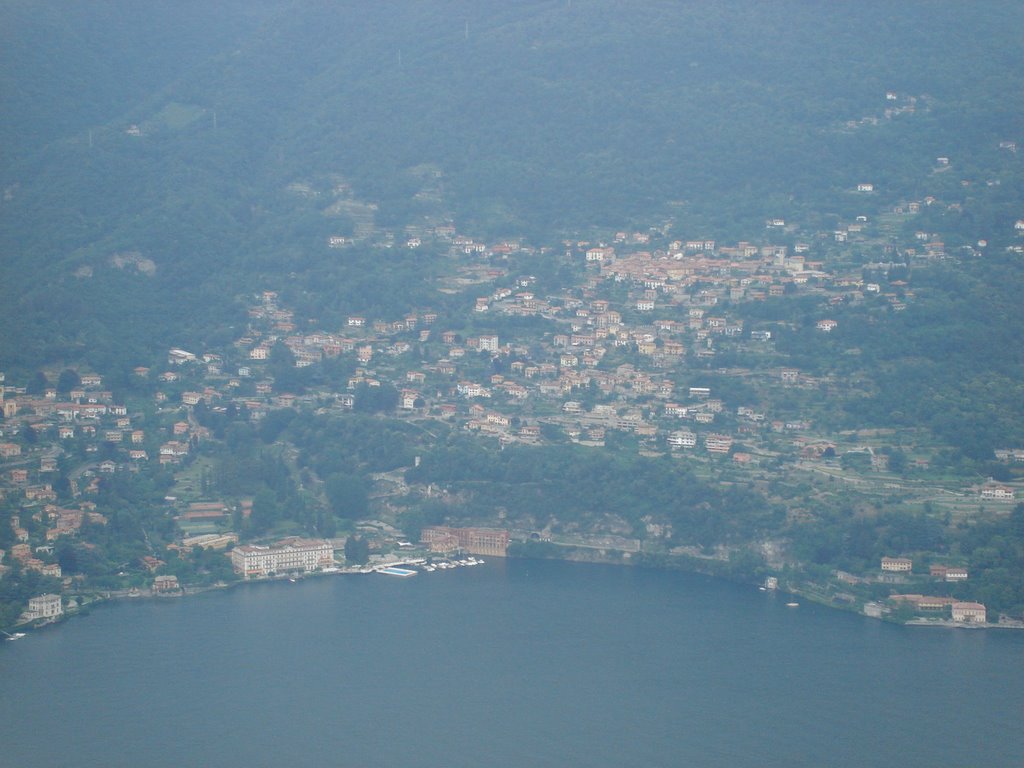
(577, 487)
(948, 362)
(330, 480)
(855, 540)
(995, 552)
(39, 382)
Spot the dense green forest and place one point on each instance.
(575, 488)
(949, 362)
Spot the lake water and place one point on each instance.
(517, 663)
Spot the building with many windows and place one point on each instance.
(293, 555)
(44, 607)
(683, 438)
(166, 585)
(969, 613)
(897, 564)
(475, 541)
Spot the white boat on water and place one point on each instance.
(16, 636)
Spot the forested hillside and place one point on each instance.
(264, 128)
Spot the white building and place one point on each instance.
(471, 389)
(180, 357)
(897, 564)
(44, 607)
(294, 554)
(718, 443)
(682, 439)
(969, 613)
(999, 494)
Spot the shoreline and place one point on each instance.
(609, 557)
(706, 566)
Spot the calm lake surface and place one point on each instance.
(517, 663)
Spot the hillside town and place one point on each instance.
(630, 356)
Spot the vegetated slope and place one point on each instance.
(953, 361)
(67, 67)
(540, 117)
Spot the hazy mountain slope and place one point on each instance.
(541, 116)
(66, 67)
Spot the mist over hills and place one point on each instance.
(535, 119)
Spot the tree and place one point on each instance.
(68, 380)
(326, 524)
(66, 556)
(348, 495)
(857, 461)
(38, 384)
(412, 523)
(375, 399)
(275, 423)
(265, 511)
(281, 365)
(897, 461)
(357, 550)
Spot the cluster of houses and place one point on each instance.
(959, 611)
(681, 305)
(57, 445)
(88, 413)
(660, 308)
(621, 351)
(34, 558)
(450, 384)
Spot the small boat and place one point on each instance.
(16, 636)
(792, 605)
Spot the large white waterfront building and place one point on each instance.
(288, 555)
(44, 607)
